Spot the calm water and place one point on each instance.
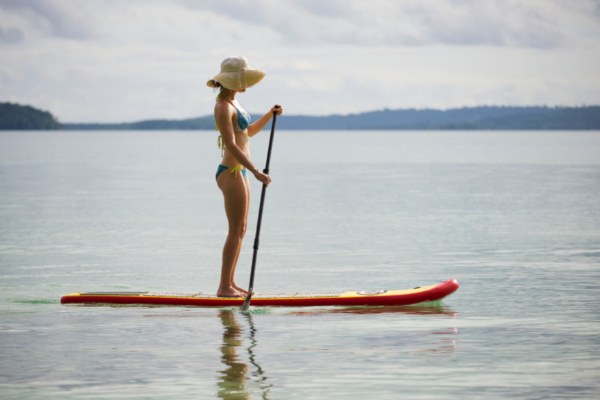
(513, 216)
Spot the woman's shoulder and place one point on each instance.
(223, 107)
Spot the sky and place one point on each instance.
(129, 60)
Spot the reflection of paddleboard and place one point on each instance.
(361, 298)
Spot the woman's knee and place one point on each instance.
(238, 231)
(242, 230)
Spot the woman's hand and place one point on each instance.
(255, 127)
(277, 109)
(264, 178)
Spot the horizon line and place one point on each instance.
(344, 115)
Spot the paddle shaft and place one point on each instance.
(260, 212)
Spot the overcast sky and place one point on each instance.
(117, 60)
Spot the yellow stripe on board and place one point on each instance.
(390, 292)
(296, 296)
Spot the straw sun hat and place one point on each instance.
(236, 74)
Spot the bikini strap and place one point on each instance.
(230, 102)
(220, 143)
(235, 169)
(236, 109)
(216, 126)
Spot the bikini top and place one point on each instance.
(243, 122)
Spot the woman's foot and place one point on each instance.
(244, 292)
(229, 292)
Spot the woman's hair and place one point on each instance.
(218, 86)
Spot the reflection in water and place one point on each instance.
(233, 382)
(419, 343)
(442, 345)
(240, 380)
(435, 309)
(259, 375)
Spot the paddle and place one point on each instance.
(246, 304)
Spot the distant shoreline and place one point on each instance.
(14, 116)
(471, 118)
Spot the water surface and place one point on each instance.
(513, 216)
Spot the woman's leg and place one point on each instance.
(236, 199)
(239, 289)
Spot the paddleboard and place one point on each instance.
(358, 298)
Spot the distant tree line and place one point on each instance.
(14, 116)
(202, 123)
(17, 117)
(468, 118)
(573, 118)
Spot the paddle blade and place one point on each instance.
(246, 304)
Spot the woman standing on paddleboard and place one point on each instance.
(233, 124)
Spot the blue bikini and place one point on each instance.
(222, 168)
(243, 119)
(243, 122)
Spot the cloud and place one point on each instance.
(543, 24)
(56, 18)
(514, 23)
(11, 35)
(119, 60)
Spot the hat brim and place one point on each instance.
(236, 81)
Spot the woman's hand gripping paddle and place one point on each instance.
(260, 211)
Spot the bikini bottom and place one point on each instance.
(234, 170)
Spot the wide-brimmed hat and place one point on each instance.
(236, 74)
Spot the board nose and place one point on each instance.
(451, 284)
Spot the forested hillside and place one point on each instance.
(202, 123)
(472, 118)
(14, 116)
(17, 117)
(478, 118)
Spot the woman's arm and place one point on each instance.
(254, 128)
(223, 117)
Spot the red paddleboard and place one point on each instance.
(360, 298)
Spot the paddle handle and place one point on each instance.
(246, 304)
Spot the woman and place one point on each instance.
(233, 122)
